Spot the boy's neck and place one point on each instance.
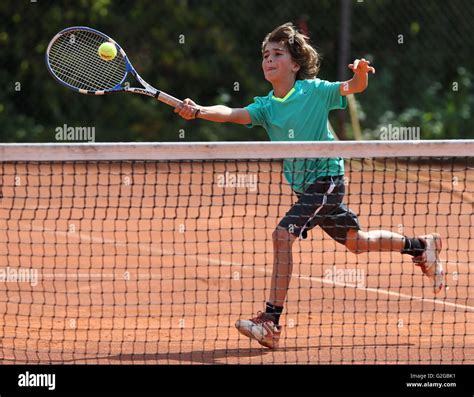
(281, 89)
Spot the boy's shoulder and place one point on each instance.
(319, 86)
(313, 85)
(316, 83)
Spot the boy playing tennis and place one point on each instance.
(300, 102)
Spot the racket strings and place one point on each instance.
(74, 59)
(111, 79)
(68, 70)
(103, 77)
(94, 80)
(91, 75)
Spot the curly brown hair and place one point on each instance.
(298, 46)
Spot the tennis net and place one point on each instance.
(149, 253)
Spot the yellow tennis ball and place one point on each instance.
(107, 51)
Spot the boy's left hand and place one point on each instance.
(361, 66)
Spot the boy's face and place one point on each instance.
(277, 63)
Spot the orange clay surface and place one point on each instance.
(154, 264)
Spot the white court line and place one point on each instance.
(261, 269)
(40, 230)
(114, 277)
(76, 275)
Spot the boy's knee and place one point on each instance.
(282, 236)
(353, 240)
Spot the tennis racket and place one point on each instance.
(73, 60)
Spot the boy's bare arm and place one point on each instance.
(189, 110)
(360, 81)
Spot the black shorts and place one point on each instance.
(321, 205)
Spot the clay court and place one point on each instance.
(148, 263)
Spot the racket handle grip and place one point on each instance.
(168, 99)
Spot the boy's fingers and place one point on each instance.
(183, 111)
(189, 102)
(189, 113)
(186, 109)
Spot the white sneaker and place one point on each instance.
(429, 261)
(262, 329)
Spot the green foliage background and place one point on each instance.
(426, 81)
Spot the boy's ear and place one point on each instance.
(296, 67)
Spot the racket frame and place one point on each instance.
(147, 89)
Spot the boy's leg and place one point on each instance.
(282, 266)
(264, 327)
(358, 241)
(425, 250)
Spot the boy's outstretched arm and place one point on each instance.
(360, 81)
(189, 110)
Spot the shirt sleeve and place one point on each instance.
(257, 112)
(330, 92)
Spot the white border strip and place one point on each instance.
(232, 150)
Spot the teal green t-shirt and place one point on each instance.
(301, 116)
